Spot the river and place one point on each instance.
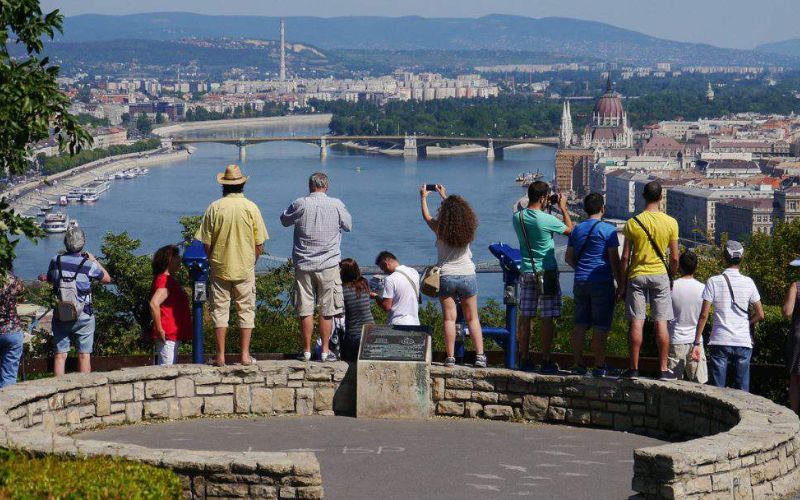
(382, 193)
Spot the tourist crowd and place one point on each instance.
(642, 276)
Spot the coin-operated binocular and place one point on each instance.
(196, 261)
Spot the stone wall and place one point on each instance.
(724, 442)
(731, 443)
(39, 415)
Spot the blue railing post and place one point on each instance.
(194, 258)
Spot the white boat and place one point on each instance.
(130, 174)
(144, 171)
(63, 201)
(88, 198)
(74, 195)
(45, 208)
(56, 223)
(119, 175)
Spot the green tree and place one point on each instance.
(143, 124)
(31, 104)
(160, 118)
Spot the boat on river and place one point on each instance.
(57, 222)
(63, 201)
(90, 192)
(528, 178)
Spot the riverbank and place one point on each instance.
(182, 127)
(35, 192)
(431, 151)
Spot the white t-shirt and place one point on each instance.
(405, 306)
(454, 261)
(687, 302)
(731, 325)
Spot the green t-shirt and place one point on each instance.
(540, 227)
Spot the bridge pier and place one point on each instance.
(242, 152)
(323, 147)
(410, 149)
(493, 152)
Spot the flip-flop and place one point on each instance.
(251, 362)
(216, 363)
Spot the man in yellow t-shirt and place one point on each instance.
(233, 233)
(647, 272)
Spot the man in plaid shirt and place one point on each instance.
(318, 222)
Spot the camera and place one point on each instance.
(553, 200)
(430, 187)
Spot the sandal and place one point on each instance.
(251, 362)
(216, 363)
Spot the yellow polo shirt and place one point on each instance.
(644, 260)
(232, 226)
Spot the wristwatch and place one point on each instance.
(697, 343)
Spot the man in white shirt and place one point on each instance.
(400, 297)
(731, 342)
(687, 303)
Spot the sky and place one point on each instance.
(725, 23)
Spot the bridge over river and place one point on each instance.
(412, 145)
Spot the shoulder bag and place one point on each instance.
(657, 250)
(431, 281)
(539, 279)
(746, 311)
(586, 241)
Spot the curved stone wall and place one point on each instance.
(725, 442)
(39, 415)
(731, 443)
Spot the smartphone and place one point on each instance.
(430, 187)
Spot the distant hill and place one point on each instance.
(786, 48)
(563, 36)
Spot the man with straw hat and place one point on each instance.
(233, 233)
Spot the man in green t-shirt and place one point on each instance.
(535, 229)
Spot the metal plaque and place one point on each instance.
(394, 343)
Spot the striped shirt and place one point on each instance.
(83, 276)
(731, 324)
(357, 311)
(318, 222)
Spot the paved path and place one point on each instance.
(435, 459)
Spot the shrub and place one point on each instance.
(25, 476)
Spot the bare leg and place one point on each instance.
(547, 338)
(450, 313)
(325, 329)
(578, 337)
(306, 330)
(794, 393)
(635, 341)
(524, 334)
(59, 363)
(470, 308)
(599, 341)
(245, 334)
(662, 340)
(219, 334)
(84, 362)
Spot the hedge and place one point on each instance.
(23, 476)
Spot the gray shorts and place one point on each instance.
(652, 288)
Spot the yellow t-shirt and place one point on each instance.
(644, 260)
(232, 226)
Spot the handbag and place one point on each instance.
(537, 275)
(431, 281)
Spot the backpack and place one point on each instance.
(68, 306)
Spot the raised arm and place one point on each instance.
(291, 214)
(562, 204)
(426, 214)
(790, 300)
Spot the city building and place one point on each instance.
(608, 127)
(105, 137)
(728, 168)
(787, 203)
(573, 168)
(743, 217)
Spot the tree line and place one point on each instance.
(55, 164)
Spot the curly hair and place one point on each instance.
(456, 222)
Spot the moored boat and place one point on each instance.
(57, 222)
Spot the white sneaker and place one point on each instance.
(327, 357)
(305, 356)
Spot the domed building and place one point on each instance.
(608, 127)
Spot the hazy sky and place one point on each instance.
(727, 23)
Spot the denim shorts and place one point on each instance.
(81, 330)
(461, 285)
(594, 304)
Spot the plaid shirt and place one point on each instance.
(318, 224)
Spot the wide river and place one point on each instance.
(382, 193)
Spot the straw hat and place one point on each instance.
(232, 176)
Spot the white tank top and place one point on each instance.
(454, 261)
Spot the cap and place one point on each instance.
(734, 250)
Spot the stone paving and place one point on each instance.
(441, 458)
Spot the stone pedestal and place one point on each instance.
(394, 389)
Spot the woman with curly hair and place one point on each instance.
(455, 225)
(169, 306)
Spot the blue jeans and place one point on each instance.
(10, 354)
(720, 356)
